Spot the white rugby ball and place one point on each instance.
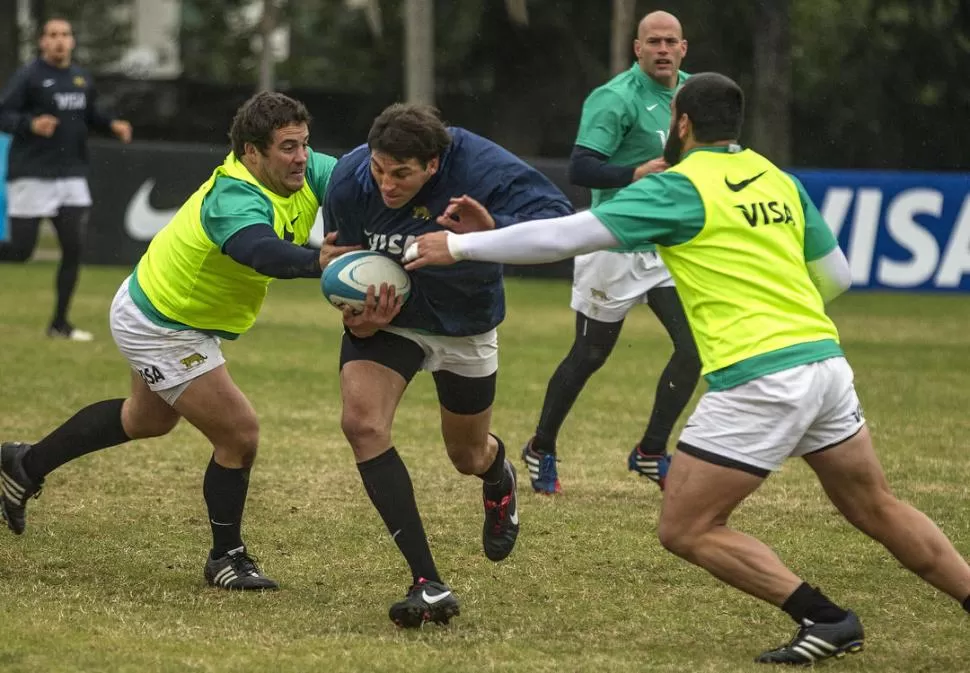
(345, 280)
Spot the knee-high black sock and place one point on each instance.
(679, 377)
(94, 427)
(494, 476)
(23, 239)
(69, 225)
(224, 490)
(593, 343)
(388, 484)
(808, 602)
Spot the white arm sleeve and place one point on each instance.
(831, 274)
(534, 242)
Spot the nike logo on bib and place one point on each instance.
(738, 186)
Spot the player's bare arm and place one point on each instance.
(330, 251)
(658, 165)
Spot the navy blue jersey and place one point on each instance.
(465, 298)
(66, 93)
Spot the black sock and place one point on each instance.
(69, 224)
(94, 427)
(966, 603)
(679, 377)
(593, 344)
(494, 476)
(809, 603)
(388, 485)
(224, 490)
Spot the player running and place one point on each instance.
(416, 175)
(754, 262)
(202, 279)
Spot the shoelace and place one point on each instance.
(503, 507)
(244, 563)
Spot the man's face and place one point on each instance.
(660, 48)
(674, 147)
(57, 42)
(399, 180)
(282, 168)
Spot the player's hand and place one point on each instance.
(44, 125)
(657, 165)
(465, 214)
(379, 311)
(330, 252)
(428, 250)
(122, 130)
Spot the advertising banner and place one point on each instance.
(900, 230)
(4, 146)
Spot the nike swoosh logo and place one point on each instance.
(738, 186)
(514, 516)
(431, 600)
(651, 107)
(142, 220)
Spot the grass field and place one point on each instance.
(108, 576)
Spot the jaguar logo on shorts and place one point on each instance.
(599, 294)
(193, 360)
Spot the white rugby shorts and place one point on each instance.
(607, 284)
(759, 424)
(472, 356)
(43, 197)
(167, 360)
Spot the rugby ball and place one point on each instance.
(345, 280)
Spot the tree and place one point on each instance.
(9, 40)
(771, 93)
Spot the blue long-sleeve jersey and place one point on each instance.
(466, 298)
(66, 93)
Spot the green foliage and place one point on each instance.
(215, 44)
(875, 83)
(102, 28)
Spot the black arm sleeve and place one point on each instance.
(588, 168)
(14, 118)
(259, 247)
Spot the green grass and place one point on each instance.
(108, 576)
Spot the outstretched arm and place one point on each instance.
(533, 242)
(830, 274)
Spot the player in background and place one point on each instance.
(754, 262)
(620, 140)
(413, 176)
(202, 279)
(47, 108)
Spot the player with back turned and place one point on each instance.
(754, 263)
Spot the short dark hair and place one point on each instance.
(42, 28)
(409, 131)
(714, 104)
(258, 117)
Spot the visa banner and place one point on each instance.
(4, 146)
(899, 230)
